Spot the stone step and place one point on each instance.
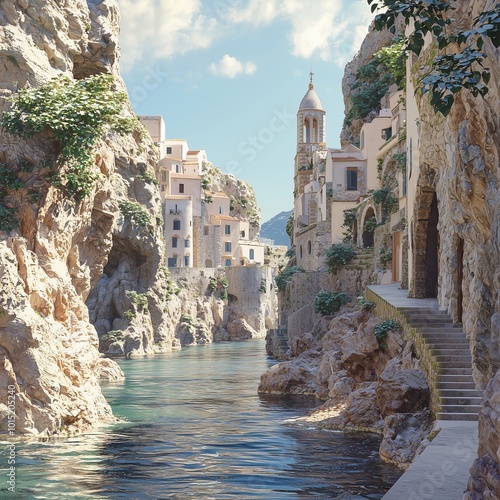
(444, 371)
(461, 408)
(455, 379)
(428, 317)
(445, 362)
(432, 324)
(460, 393)
(461, 401)
(449, 350)
(470, 417)
(442, 334)
(456, 386)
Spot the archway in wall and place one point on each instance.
(426, 246)
(368, 228)
(460, 278)
(209, 263)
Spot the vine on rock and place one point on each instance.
(78, 113)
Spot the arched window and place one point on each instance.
(252, 254)
(228, 262)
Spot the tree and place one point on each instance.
(450, 72)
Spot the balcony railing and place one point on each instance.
(174, 211)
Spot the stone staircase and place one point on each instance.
(278, 342)
(362, 260)
(459, 400)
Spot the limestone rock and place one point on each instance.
(55, 261)
(291, 377)
(402, 435)
(402, 391)
(110, 371)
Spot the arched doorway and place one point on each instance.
(369, 224)
(426, 246)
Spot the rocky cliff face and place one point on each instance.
(64, 253)
(243, 202)
(367, 384)
(373, 42)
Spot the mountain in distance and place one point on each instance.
(275, 229)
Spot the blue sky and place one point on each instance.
(228, 76)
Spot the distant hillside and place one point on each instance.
(275, 229)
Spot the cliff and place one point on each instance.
(243, 201)
(65, 252)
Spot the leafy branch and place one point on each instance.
(449, 72)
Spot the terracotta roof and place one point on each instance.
(217, 219)
(345, 158)
(185, 176)
(194, 152)
(177, 197)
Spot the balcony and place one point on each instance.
(175, 211)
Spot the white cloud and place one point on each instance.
(230, 67)
(160, 29)
(331, 29)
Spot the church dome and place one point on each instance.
(311, 99)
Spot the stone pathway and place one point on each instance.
(450, 348)
(441, 472)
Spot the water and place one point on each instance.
(194, 427)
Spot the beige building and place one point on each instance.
(198, 230)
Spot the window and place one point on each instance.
(227, 229)
(221, 209)
(177, 225)
(242, 234)
(300, 251)
(206, 230)
(187, 243)
(352, 179)
(386, 133)
(309, 247)
(186, 261)
(163, 176)
(178, 169)
(228, 262)
(181, 188)
(252, 254)
(174, 241)
(169, 150)
(172, 262)
(227, 246)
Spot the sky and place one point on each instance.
(228, 76)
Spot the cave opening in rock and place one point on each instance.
(368, 228)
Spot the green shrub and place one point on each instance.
(78, 113)
(385, 258)
(339, 255)
(286, 275)
(129, 314)
(371, 224)
(327, 303)
(139, 299)
(136, 212)
(382, 329)
(8, 220)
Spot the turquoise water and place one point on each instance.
(193, 426)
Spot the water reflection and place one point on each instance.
(194, 427)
